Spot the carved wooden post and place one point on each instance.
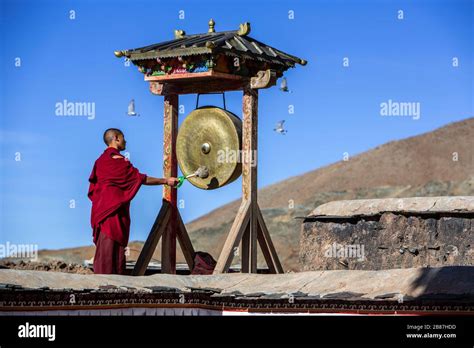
(249, 176)
(170, 168)
(168, 224)
(246, 225)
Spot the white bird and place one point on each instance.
(131, 108)
(284, 85)
(279, 127)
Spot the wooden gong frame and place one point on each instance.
(249, 227)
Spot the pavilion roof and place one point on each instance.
(235, 43)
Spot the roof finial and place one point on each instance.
(179, 34)
(211, 26)
(244, 29)
(119, 54)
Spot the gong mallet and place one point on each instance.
(202, 173)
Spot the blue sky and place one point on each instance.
(337, 108)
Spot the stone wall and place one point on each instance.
(389, 233)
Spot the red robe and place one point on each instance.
(113, 184)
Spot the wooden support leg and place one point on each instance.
(265, 240)
(170, 168)
(156, 232)
(266, 252)
(249, 243)
(253, 239)
(235, 235)
(245, 250)
(161, 222)
(185, 243)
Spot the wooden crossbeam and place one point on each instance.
(203, 76)
(195, 86)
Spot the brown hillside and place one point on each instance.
(414, 161)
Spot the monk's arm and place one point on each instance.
(154, 181)
(160, 181)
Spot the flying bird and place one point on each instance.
(131, 108)
(279, 127)
(284, 85)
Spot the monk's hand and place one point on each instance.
(172, 181)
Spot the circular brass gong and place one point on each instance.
(210, 136)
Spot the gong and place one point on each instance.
(212, 137)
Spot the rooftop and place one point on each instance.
(395, 291)
(235, 43)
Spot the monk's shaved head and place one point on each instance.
(110, 135)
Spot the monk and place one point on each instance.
(114, 182)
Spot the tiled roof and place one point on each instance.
(233, 43)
